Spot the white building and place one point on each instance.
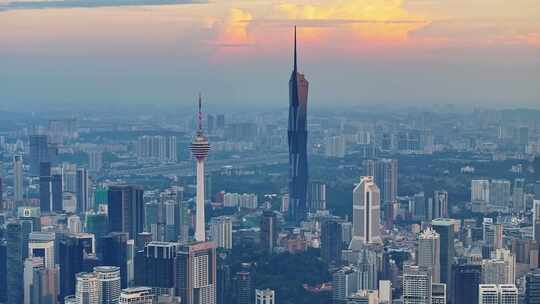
(366, 210)
(416, 285)
(221, 231)
(137, 295)
(88, 288)
(264, 296)
(41, 245)
(109, 280)
(428, 252)
(498, 294)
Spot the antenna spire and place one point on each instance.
(200, 113)
(295, 61)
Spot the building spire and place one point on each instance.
(200, 114)
(295, 60)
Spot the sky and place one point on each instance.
(70, 53)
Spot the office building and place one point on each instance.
(498, 294)
(265, 296)
(74, 224)
(199, 149)
(518, 195)
(221, 232)
(114, 252)
(385, 175)
(438, 293)
(95, 161)
(88, 288)
(269, 231)
(367, 270)
(156, 268)
(532, 287)
(82, 190)
(18, 179)
(331, 241)
(71, 251)
(45, 199)
(126, 209)
(30, 266)
(440, 204)
(137, 295)
(536, 220)
(196, 273)
(466, 279)
(317, 196)
(243, 287)
(480, 195)
(416, 285)
(69, 177)
(297, 140)
(429, 253)
(41, 245)
(15, 268)
(499, 192)
(345, 283)
(109, 280)
(335, 146)
(445, 229)
(39, 152)
(366, 208)
(56, 193)
(157, 148)
(3, 271)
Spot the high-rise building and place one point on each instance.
(297, 139)
(498, 294)
(18, 180)
(366, 205)
(196, 273)
(114, 252)
(71, 254)
(532, 287)
(331, 241)
(385, 175)
(420, 210)
(367, 270)
(157, 148)
(97, 224)
(82, 190)
(30, 265)
(69, 177)
(39, 152)
(480, 195)
(88, 288)
(45, 187)
(438, 293)
(344, 283)
(156, 268)
(224, 280)
(243, 287)
(445, 229)
(269, 231)
(317, 196)
(126, 209)
(499, 192)
(3, 271)
(536, 220)
(41, 245)
(416, 285)
(109, 280)
(200, 148)
(265, 296)
(40, 283)
(221, 232)
(429, 253)
(335, 146)
(95, 161)
(466, 279)
(518, 194)
(56, 192)
(137, 295)
(15, 268)
(440, 204)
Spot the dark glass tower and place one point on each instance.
(297, 138)
(466, 279)
(331, 241)
(14, 258)
(126, 209)
(114, 252)
(45, 187)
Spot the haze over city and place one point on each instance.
(387, 52)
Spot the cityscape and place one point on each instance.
(292, 202)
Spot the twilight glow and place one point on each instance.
(481, 52)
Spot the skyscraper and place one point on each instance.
(221, 231)
(269, 231)
(429, 251)
(331, 241)
(126, 209)
(532, 287)
(499, 192)
(317, 196)
(41, 245)
(81, 190)
(366, 208)
(156, 268)
(445, 229)
(297, 139)
(88, 288)
(18, 177)
(3, 271)
(109, 279)
(39, 152)
(45, 187)
(243, 287)
(385, 175)
(14, 271)
(71, 254)
(196, 273)
(440, 204)
(200, 148)
(56, 192)
(466, 279)
(416, 285)
(518, 194)
(114, 252)
(497, 294)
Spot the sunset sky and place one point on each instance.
(467, 52)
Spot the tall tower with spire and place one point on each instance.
(297, 139)
(199, 149)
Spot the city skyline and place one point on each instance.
(468, 53)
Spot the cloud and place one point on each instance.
(46, 4)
